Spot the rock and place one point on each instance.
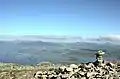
(83, 78)
(65, 75)
(73, 66)
(38, 76)
(89, 65)
(82, 73)
(98, 76)
(62, 68)
(106, 77)
(39, 73)
(110, 65)
(84, 70)
(69, 69)
(89, 74)
(44, 76)
(92, 70)
(110, 78)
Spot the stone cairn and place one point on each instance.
(99, 69)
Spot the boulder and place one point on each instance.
(74, 66)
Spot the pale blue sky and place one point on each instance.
(60, 17)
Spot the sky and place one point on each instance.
(84, 18)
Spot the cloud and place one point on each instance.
(99, 39)
(47, 38)
(112, 38)
(104, 39)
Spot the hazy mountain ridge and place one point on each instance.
(41, 38)
(32, 52)
(114, 39)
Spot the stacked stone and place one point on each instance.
(93, 70)
(83, 71)
(90, 71)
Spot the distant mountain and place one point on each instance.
(32, 52)
(113, 39)
(41, 38)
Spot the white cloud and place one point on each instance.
(99, 39)
(103, 39)
(112, 38)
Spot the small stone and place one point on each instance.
(110, 64)
(69, 69)
(39, 73)
(83, 77)
(63, 68)
(89, 74)
(44, 76)
(74, 66)
(82, 73)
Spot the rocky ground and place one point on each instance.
(109, 70)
